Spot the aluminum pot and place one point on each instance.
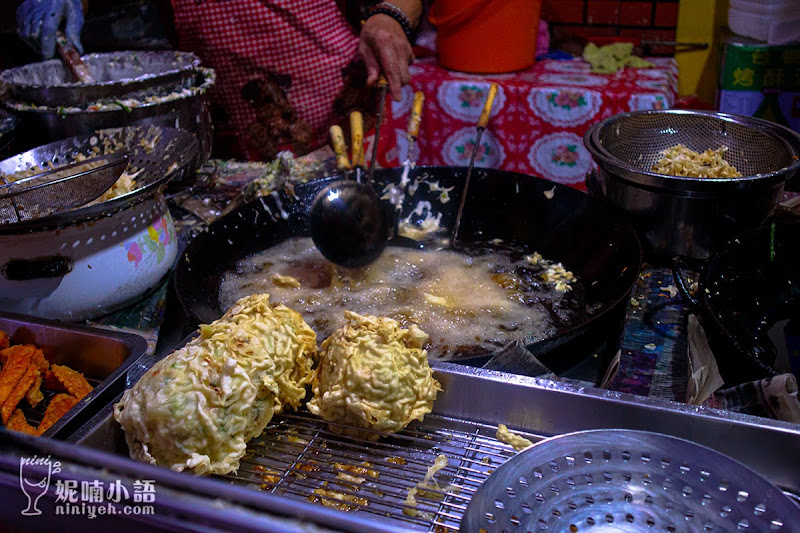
(683, 216)
(119, 75)
(191, 111)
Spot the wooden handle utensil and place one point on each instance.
(416, 115)
(339, 148)
(487, 106)
(383, 86)
(357, 138)
(69, 54)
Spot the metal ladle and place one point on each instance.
(348, 223)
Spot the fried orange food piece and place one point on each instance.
(17, 422)
(51, 382)
(58, 407)
(19, 392)
(35, 395)
(3, 340)
(17, 363)
(72, 381)
(8, 351)
(40, 361)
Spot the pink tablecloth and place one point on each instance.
(538, 120)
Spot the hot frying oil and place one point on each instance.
(470, 302)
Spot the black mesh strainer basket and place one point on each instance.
(690, 216)
(627, 481)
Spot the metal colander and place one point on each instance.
(755, 146)
(626, 481)
(154, 155)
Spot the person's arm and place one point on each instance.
(385, 46)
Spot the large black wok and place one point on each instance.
(746, 287)
(571, 227)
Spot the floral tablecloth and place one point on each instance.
(538, 119)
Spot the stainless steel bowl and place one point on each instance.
(118, 75)
(690, 216)
(190, 111)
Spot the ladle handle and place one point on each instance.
(357, 138)
(339, 148)
(416, 115)
(487, 107)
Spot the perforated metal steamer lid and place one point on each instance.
(626, 481)
(635, 140)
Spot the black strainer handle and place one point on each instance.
(679, 267)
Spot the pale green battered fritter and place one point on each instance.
(199, 406)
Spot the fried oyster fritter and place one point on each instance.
(197, 408)
(373, 375)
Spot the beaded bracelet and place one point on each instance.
(391, 10)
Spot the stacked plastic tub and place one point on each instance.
(770, 21)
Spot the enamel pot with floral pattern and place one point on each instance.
(88, 268)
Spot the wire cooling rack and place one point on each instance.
(302, 457)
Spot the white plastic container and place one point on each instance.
(774, 22)
(766, 7)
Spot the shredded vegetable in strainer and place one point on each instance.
(681, 161)
(101, 144)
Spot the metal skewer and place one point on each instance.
(413, 130)
(482, 122)
(411, 154)
(383, 85)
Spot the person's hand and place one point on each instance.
(38, 21)
(385, 48)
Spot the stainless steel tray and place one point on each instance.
(118, 75)
(297, 453)
(103, 356)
